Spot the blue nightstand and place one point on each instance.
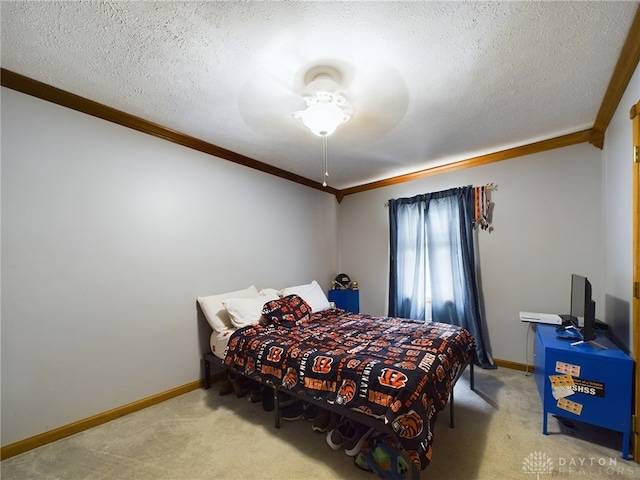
(584, 382)
(346, 299)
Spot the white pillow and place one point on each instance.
(244, 311)
(214, 310)
(270, 294)
(311, 293)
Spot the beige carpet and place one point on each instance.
(201, 435)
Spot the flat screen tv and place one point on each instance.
(583, 308)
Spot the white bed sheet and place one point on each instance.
(218, 342)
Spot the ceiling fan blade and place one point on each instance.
(380, 100)
(267, 103)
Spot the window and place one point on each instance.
(432, 263)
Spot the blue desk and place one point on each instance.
(584, 382)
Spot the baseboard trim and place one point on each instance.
(36, 441)
(513, 365)
(59, 433)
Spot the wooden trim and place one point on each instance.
(624, 69)
(597, 138)
(633, 112)
(513, 365)
(622, 73)
(544, 145)
(76, 427)
(55, 95)
(635, 300)
(36, 441)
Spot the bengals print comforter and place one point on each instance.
(399, 371)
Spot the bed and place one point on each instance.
(392, 374)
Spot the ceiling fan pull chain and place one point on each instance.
(326, 162)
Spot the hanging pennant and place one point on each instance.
(482, 206)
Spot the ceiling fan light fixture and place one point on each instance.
(326, 108)
(323, 114)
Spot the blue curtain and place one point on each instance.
(407, 289)
(432, 234)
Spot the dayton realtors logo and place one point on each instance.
(537, 463)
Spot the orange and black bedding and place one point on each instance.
(398, 371)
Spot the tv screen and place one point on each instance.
(583, 308)
(578, 286)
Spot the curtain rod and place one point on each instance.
(488, 186)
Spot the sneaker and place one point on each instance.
(238, 384)
(334, 418)
(292, 412)
(310, 411)
(225, 387)
(255, 396)
(321, 421)
(267, 399)
(335, 437)
(353, 445)
(285, 400)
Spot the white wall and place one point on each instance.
(617, 187)
(108, 237)
(547, 225)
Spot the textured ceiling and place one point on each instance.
(430, 82)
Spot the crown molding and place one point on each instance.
(620, 78)
(623, 71)
(63, 98)
(542, 146)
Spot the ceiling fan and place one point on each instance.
(376, 94)
(363, 102)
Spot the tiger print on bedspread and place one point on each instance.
(399, 371)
